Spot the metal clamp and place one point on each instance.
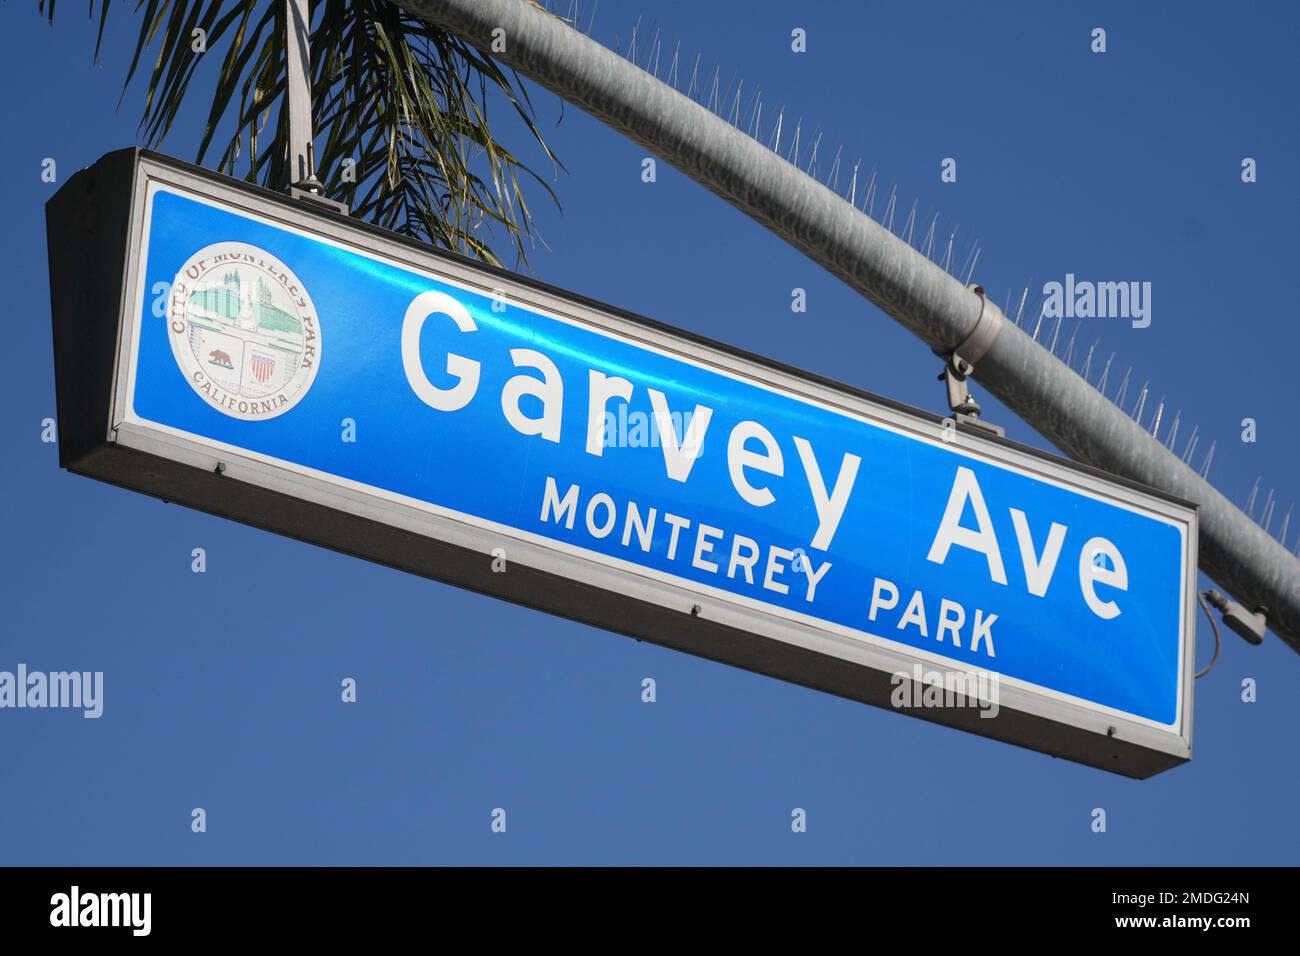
(961, 363)
(967, 355)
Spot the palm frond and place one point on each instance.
(401, 105)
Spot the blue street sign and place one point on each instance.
(313, 359)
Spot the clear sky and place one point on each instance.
(222, 689)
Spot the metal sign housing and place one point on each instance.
(236, 351)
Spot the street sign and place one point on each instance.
(246, 354)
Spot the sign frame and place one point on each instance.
(96, 224)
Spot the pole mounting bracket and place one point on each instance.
(304, 185)
(310, 190)
(965, 357)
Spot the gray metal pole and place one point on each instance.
(298, 88)
(920, 295)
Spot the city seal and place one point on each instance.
(244, 331)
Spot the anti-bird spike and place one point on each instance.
(812, 157)
(1105, 375)
(974, 260)
(1042, 310)
(1205, 468)
(947, 261)
(1057, 334)
(1142, 401)
(1123, 389)
(1021, 310)
(834, 174)
(1068, 359)
(734, 116)
(1087, 363)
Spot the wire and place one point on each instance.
(1218, 643)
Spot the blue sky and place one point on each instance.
(1124, 165)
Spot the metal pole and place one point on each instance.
(933, 305)
(297, 25)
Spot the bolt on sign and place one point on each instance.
(249, 355)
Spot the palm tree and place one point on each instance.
(400, 111)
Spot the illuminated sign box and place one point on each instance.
(246, 354)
